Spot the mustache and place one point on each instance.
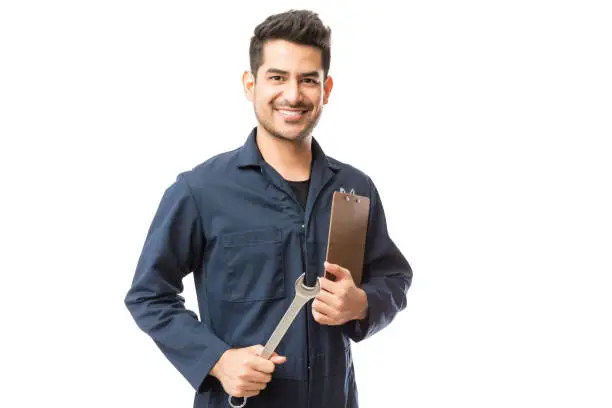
(300, 106)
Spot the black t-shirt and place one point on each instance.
(300, 188)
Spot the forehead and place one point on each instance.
(291, 57)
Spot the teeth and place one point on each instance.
(290, 113)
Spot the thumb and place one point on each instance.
(337, 271)
(276, 359)
(256, 349)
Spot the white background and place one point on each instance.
(486, 126)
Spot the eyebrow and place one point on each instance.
(282, 72)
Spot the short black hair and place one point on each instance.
(297, 26)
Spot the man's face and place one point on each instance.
(289, 92)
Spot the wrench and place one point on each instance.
(303, 294)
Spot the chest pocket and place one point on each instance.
(255, 264)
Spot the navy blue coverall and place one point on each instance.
(236, 224)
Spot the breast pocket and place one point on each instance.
(255, 264)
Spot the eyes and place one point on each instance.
(280, 78)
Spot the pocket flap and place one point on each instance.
(254, 237)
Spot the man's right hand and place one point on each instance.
(243, 372)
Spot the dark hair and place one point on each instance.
(297, 26)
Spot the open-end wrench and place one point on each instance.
(303, 294)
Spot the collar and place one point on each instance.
(250, 156)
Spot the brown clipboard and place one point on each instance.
(346, 239)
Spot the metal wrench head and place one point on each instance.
(306, 292)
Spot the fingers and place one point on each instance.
(328, 298)
(262, 369)
(247, 383)
(255, 387)
(251, 380)
(324, 309)
(323, 319)
(258, 363)
(254, 376)
(244, 373)
(327, 286)
(338, 288)
(257, 350)
(261, 364)
(325, 314)
(239, 393)
(246, 389)
(278, 359)
(338, 271)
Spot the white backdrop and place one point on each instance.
(485, 125)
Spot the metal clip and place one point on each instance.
(352, 192)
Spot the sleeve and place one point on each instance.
(387, 276)
(174, 248)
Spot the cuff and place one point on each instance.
(360, 329)
(200, 379)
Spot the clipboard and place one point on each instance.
(346, 239)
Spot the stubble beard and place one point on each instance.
(305, 133)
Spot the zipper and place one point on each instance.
(302, 235)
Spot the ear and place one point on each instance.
(248, 82)
(327, 88)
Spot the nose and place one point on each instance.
(292, 92)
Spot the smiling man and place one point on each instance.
(250, 222)
(292, 87)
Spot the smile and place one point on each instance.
(291, 114)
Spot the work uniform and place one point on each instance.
(239, 227)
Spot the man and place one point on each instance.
(247, 223)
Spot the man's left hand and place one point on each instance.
(339, 301)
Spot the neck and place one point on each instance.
(290, 158)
